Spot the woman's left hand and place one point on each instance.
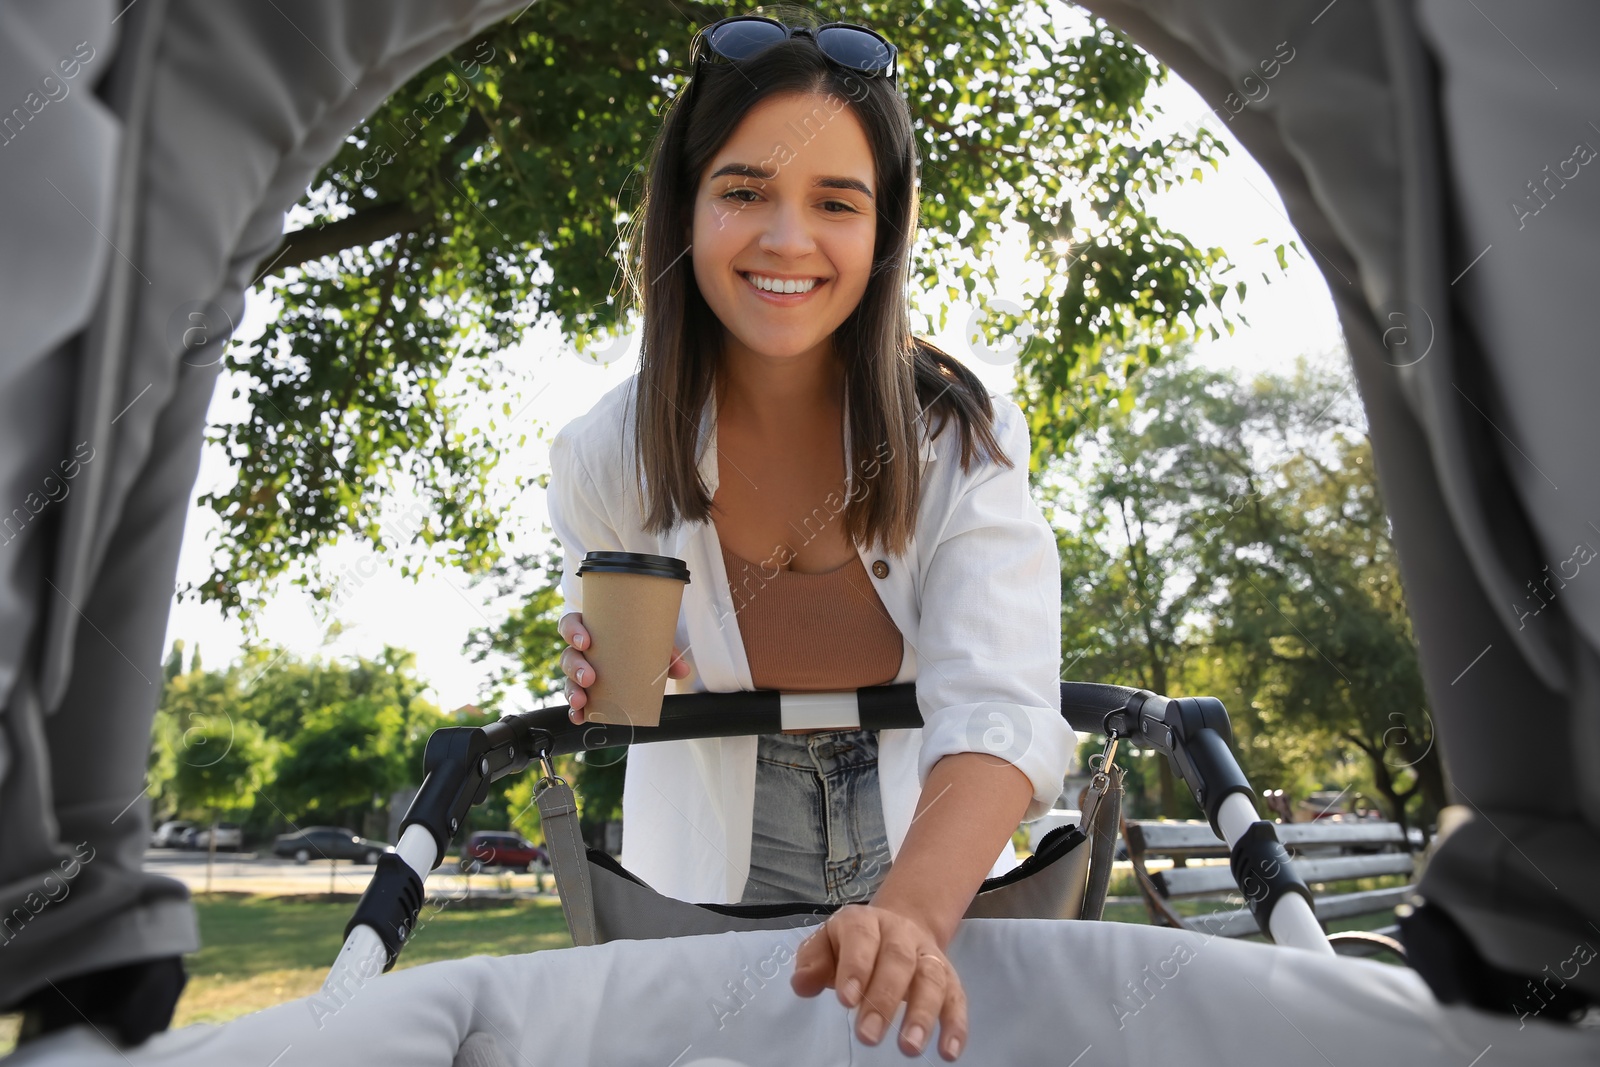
(879, 958)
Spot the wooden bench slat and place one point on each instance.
(1336, 833)
(1218, 878)
(1344, 905)
(1173, 838)
(1316, 848)
(1241, 923)
(1195, 838)
(1194, 881)
(1337, 868)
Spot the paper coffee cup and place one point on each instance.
(630, 608)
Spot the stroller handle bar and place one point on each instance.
(461, 763)
(1172, 726)
(1084, 705)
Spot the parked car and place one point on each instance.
(185, 837)
(328, 843)
(500, 848)
(230, 838)
(168, 833)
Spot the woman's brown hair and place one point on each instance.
(892, 378)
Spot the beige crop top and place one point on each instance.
(813, 632)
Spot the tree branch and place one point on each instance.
(364, 227)
(373, 223)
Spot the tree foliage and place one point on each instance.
(1134, 558)
(193, 764)
(1310, 603)
(1229, 539)
(487, 194)
(222, 765)
(290, 740)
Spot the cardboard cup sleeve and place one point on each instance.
(630, 608)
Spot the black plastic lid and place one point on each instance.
(635, 563)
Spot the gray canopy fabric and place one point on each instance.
(148, 152)
(1041, 993)
(1436, 158)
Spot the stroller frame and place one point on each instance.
(1194, 733)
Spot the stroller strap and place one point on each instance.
(558, 813)
(1102, 817)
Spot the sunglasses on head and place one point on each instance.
(742, 37)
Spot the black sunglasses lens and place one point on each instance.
(744, 39)
(853, 48)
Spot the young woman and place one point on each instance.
(854, 511)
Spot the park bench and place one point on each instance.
(1324, 853)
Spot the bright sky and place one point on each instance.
(1232, 208)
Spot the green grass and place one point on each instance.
(245, 935)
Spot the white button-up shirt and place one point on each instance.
(977, 597)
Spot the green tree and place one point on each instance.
(279, 688)
(1227, 538)
(344, 762)
(358, 735)
(489, 193)
(1146, 489)
(197, 707)
(1314, 613)
(174, 664)
(344, 734)
(221, 767)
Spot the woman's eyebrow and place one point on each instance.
(846, 183)
(748, 170)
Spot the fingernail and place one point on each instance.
(852, 992)
(581, 679)
(913, 1036)
(872, 1028)
(580, 639)
(952, 1047)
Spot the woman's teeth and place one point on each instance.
(777, 285)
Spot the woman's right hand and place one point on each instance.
(580, 672)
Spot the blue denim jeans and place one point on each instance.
(817, 831)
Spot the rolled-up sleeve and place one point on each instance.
(989, 637)
(577, 515)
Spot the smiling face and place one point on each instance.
(786, 204)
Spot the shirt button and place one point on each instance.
(880, 568)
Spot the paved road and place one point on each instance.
(250, 873)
